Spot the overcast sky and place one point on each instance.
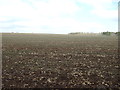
(58, 16)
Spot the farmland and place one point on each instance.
(59, 61)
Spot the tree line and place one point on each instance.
(110, 33)
(103, 33)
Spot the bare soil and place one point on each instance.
(59, 61)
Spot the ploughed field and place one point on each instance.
(59, 61)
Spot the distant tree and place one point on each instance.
(74, 33)
(117, 33)
(107, 33)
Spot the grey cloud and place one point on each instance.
(12, 19)
(12, 27)
(9, 21)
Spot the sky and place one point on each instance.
(58, 16)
